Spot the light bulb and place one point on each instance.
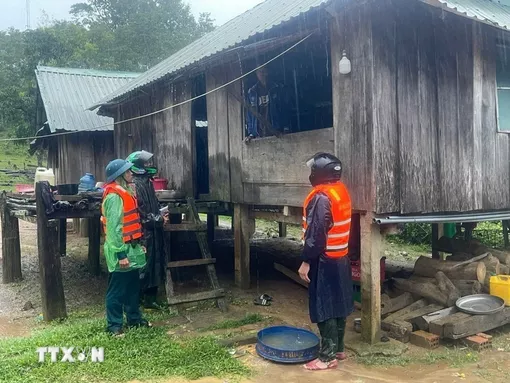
(345, 64)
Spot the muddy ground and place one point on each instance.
(289, 306)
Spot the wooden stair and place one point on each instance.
(200, 230)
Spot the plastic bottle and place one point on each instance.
(43, 174)
(87, 182)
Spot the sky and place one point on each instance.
(13, 12)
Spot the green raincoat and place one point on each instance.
(114, 246)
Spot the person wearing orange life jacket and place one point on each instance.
(123, 249)
(326, 265)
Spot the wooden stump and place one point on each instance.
(11, 250)
(94, 245)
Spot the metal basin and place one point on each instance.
(480, 304)
(285, 344)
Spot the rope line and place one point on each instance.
(164, 109)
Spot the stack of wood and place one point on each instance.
(429, 295)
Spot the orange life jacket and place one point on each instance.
(132, 227)
(338, 236)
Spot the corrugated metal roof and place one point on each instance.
(66, 93)
(492, 12)
(272, 13)
(259, 19)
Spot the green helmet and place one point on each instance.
(139, 159)
(116, 168)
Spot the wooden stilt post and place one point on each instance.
(94, 245)
(11, 251)
(211, 226)
(506, 229)
(62, 237)
(244, 227)
(370, 280)
(282, 229)
(435, 238)
(52, 289)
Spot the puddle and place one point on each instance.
(8, 328)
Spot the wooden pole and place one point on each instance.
(244, 227)
(11, 250)
(282, 229)
(52, 289)
(435, 237)
(62, 237)
(94, 245)
(211, 227)
(370, 280)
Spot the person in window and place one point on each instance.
(271, 103)
(326, 265)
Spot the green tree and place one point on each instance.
(141, 32)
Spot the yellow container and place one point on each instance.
(500, 287)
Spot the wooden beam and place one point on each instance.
(424, 321)
(187, 298)
(370, 280)
(435, 238)
(289, 273)
(52, 288)
(11, 250)
(94, 225)
(211, 227)
(191, 262)
(244, 227)
(185, 227)
(476, 323)
(277, 217)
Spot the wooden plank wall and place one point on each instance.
(352, 103)
(274, 169)
(80, 153)
(167, 134)
(218, 135)
(415, 121)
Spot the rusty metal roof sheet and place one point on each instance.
(272, 13)
(66, 93)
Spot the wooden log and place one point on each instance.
(437, 326)
(11, 250)
(62, 237)
(399, 330)
(465, 287)
(428, 291)
(504, 269)
(409, 317)
(423, 322)
(456, 329)
(452, 245)
(391, 305)
(428, 267)
(492, 264)
(412, 307)
(52, 288)
(447, 288)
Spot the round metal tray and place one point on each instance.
(480, 304)
(285, 344)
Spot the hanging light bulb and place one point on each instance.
(345, 64)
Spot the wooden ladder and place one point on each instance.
(207, 260)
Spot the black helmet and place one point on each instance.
(325, 168)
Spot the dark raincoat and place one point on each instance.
(331, 289)
(152, 222)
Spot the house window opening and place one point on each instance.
(503, 87)
(292, 94)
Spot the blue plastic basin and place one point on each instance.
(285, 344)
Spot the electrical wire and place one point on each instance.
(164, 109)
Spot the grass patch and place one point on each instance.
(453, 357)
(235, 323)
(143, 354)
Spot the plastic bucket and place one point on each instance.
(160, 183)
